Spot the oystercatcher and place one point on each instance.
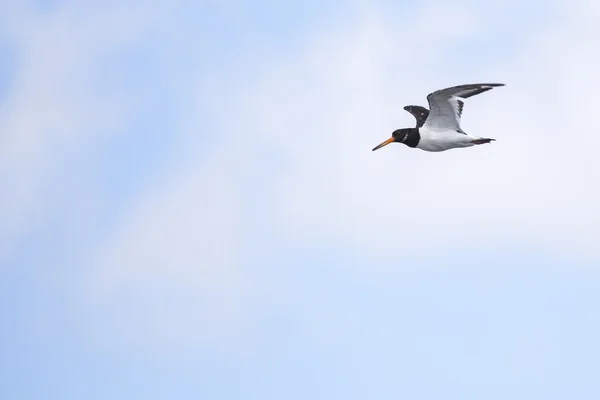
(439, 128)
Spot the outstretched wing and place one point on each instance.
(420, 114)
(446, 106)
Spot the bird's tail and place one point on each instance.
(482, 141)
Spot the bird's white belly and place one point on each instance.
(440, 140)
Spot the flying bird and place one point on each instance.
(438, 128)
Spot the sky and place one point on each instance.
(190, 207)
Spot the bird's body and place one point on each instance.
(438, 129)
(440, 140)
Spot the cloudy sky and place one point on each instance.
(190, 208)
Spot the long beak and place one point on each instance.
(390, 140)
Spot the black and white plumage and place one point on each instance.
(438, 128)
(420, 114)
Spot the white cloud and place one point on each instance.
(55, 107)
(532, 186)
(173, 269)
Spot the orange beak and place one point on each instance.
(390, 140)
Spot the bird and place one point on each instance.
(438, 129)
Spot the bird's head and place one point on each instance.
(399, 135)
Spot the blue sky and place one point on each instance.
(190, 207)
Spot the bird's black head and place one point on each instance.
(406, 136)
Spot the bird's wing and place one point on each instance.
(420, 114)
(446, 106)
